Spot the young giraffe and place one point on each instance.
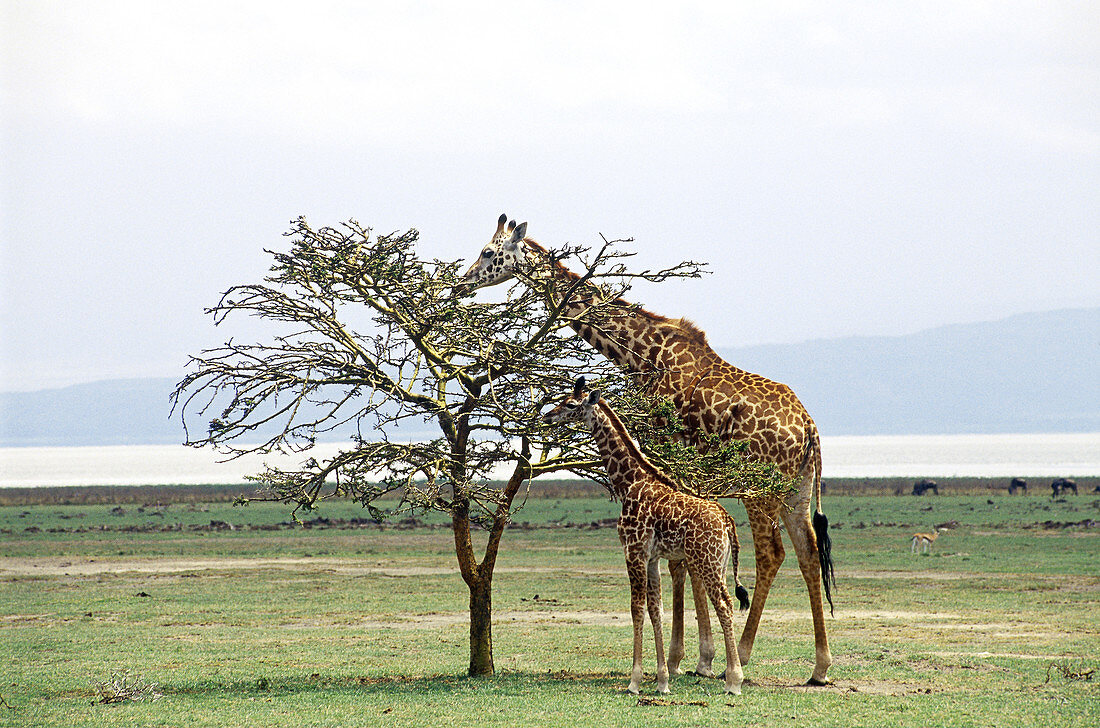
(713, 397)
(658, 521)
(922, 542)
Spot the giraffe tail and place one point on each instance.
(739, 591)
(742, 595)
(821, 523)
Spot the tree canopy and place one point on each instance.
(369, 342)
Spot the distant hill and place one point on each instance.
(1029, 373)
(115, 412)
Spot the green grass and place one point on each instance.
(366, 626)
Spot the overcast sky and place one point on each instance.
(846, 168)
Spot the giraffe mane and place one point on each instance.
(690, 330)
(635, 452)
(685, 327)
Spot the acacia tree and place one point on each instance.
(368, 337)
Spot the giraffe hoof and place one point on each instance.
(819, 682)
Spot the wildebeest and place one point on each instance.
(1017, 484)
(1061, 486)
(923, 486)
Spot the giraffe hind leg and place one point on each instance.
(767, 543)
(803, 538)
(677, 571)
(705, 666)
(723, 607)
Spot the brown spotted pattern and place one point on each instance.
(659, 522)
(674, 360)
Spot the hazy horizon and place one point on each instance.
(181, 371)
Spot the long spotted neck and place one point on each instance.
(623, 459)
(634, 339)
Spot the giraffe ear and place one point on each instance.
(517, 236)
(578, 387)
(593, 396)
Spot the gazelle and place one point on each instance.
(922, 542)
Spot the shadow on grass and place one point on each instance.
(504, 682)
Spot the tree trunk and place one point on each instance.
(481, 627)
(479, 577)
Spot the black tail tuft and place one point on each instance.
(824, 554)
(742, 597)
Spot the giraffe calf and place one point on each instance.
(658, 521)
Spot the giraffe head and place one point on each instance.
(499, 260)
(577, 406)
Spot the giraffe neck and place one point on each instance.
(635, 339)
(627, 467)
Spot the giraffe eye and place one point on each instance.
(487, 254)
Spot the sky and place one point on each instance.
(845, 168)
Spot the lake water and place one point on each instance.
(1026, 456)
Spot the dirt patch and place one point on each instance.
(915, 575)
(869, 687)
(58, 566)
(61, 566)
(987, 655)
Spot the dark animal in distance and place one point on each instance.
(1017, 484)
(923, 486)
(1061, 486)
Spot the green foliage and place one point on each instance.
(701, 464)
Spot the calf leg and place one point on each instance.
(677, 570)
(653, 602)
(723, 607)
(706, 636)
(636, 572)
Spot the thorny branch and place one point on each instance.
(434, 395)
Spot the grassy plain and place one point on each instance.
(344, 624)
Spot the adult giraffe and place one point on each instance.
(713, 397)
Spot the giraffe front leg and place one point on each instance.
(637, 576)
(653, 602)
(677, 571)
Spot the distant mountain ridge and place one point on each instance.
(1028, 373)
(111, 412)
(1033, 372)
